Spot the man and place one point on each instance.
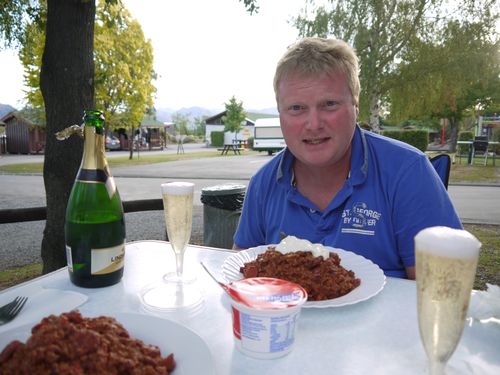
(335, 183)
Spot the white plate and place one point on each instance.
(191, 353)
(37, 307)
(371, 276)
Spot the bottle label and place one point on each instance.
(107, 260)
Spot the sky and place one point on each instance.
(205, 52)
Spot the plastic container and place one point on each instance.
(265, 313)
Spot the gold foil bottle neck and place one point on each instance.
(69, 131)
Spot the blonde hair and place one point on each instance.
(315, 56)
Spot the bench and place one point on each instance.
(230, 147)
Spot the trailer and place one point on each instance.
(268, 136)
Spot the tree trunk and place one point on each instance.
(66, 82)
(131, 143)
(454, 124)
(375, 112)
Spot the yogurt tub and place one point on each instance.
(265, 313)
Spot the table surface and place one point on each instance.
(377, 336)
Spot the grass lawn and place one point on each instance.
(121, 161)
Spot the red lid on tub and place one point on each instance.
(267, 293)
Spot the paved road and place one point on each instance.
(475, 204)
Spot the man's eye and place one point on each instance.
(295, 107)
(331, 103)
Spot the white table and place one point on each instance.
(377, 336)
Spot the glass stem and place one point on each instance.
(437, 368)
(179, 262)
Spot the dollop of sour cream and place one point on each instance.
(291, 244)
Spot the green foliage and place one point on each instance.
(250, 143)
(251, 6)
(416, 138)
(419, 57)
(200, 126)
(455, 72)
(235, 116)
(123, 66)
(496, 134)
(15, 15)
(181, 123)
(378, 30)
(464, 136)
(30, 56)
(217, 139)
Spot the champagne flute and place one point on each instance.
(178, 210)
(446, 261)
(175, 291)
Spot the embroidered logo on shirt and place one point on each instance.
(359, 219)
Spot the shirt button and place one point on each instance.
(312, 210)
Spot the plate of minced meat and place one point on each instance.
(123, 343)
(332, 277)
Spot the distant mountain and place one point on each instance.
(266, 111)
(5, 109)
(165, 114)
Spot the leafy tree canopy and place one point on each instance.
(455, 73)
(123, 62)
(235, 116)
(385, 35)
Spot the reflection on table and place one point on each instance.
(377, 336)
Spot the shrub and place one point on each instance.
(416, 138)
(217, 138)
(464, 136)
(250, 143)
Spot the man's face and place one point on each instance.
(318, 118)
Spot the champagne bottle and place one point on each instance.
(95, 224)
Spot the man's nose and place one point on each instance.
(314, 120)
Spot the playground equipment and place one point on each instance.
(486, 124)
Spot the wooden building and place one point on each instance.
(23, 136)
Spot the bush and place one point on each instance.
(416, 138)
(250, 143)
(464, 136)
(217, 138)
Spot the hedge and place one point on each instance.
(464, 136)
(250, 143)
(416, 138)
(217, 138)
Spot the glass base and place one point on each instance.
(171, 293)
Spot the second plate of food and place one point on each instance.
(371, 276)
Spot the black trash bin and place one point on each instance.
(221, 213)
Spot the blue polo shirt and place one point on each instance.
(391, 194)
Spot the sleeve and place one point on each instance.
(420, 201)
(250, 231)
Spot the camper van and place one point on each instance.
(268, 136)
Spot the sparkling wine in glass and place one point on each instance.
(446, 261)
(175, 291)
(178, 210)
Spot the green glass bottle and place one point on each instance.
(95, 223)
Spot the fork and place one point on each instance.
(10, 310)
